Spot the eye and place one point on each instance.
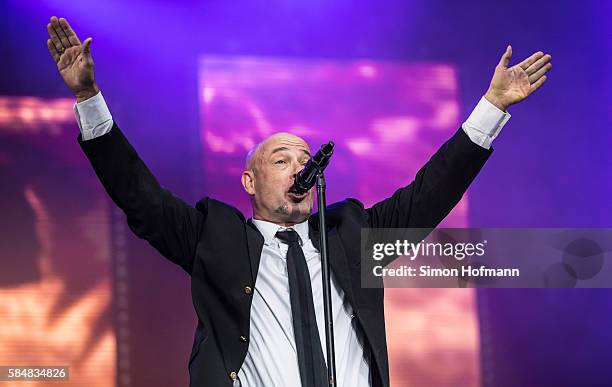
(279, 162)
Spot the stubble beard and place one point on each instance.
(283, 209)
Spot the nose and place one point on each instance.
(297, 170)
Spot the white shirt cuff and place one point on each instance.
(485, 123)
(93, 117)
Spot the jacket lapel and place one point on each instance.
(255, 243)
(337, 258)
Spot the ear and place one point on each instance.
(248, 182)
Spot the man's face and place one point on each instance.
(269, 176)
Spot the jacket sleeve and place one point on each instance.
(153, 213)
(436, 189)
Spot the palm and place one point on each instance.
(72, 57)
(512, 82)
(75, 68)
(511, 85)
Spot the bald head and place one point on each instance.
(275, 142)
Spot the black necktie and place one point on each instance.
(313, 371)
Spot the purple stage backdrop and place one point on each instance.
(195, 83)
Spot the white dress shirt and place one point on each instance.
(271, 358)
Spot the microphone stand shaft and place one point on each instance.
(325, 274)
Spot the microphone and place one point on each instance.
(307, 177)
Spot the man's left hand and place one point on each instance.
(514, 84)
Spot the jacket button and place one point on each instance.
(248, 290)
(233, 375)
(243, 339)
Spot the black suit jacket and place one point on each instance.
(220, 249)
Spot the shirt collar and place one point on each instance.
(269, 230)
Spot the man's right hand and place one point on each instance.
(73, 59)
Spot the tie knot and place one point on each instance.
(288, 236)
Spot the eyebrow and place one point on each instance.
(284, 148)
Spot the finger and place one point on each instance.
(60, 33)
(537, 85)
(86, 48)
(53, 50)
(55, 39)
(527, 62)
(72, 37)
(538, 74)
(538, 64)
(505, 59)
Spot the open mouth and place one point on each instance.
(297, 197)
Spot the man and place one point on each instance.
(256, 283)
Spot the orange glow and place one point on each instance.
(51, 319)
(26, 115)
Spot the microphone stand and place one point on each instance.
(325, 274)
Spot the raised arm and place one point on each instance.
(153, 213)
(442, 181)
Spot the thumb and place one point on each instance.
(86, 45)
(505, 59)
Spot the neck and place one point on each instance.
(278, 222)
